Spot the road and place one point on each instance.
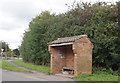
(26, 76)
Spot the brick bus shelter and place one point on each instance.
(71, 55)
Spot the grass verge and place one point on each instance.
(40, 68)
(97, 76)
(8, 66)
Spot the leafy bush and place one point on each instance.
(99, 21)
(97, 76)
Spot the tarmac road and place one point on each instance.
(26, 76)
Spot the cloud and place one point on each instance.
(10, 23)
(13, 37)
(15, 15)
(21, 10)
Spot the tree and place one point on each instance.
(6, 49)
(4, 45)
(99, 21)
(16, 52)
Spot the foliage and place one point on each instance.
(99, 21)
(6, 49)
(109, 71)
(97, 76)
(4, 45)
(8, 53)
(44, 69)
(8, 66)
(16, 52)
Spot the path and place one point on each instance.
(9, 61)
(26, 76)
(20, 76)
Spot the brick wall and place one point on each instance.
(69, 57)
(57, 63)
(83, 56)
(61, 56)
(77, 56)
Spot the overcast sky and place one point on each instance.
(15, 16)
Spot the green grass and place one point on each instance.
(40, 68)
(7, 66)
(97, 76)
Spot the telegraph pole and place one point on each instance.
(1, 50)
(11, 54)
(6, 51)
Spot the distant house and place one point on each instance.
(2, 53)
(71, 55)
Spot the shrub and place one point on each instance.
(99, 21)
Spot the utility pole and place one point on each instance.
(6, 51)
(1, 50)
(11, 54)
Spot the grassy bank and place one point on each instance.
(97, 76)
(7, 66)
(40, 68)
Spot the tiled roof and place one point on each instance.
(67, 39)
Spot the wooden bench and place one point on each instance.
(69, 70)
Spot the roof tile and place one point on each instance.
(67, 39)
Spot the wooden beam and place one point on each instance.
(62, 44)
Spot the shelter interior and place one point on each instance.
(65, 57)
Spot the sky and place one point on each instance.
(15, 16)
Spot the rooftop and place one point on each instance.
(67, 39)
